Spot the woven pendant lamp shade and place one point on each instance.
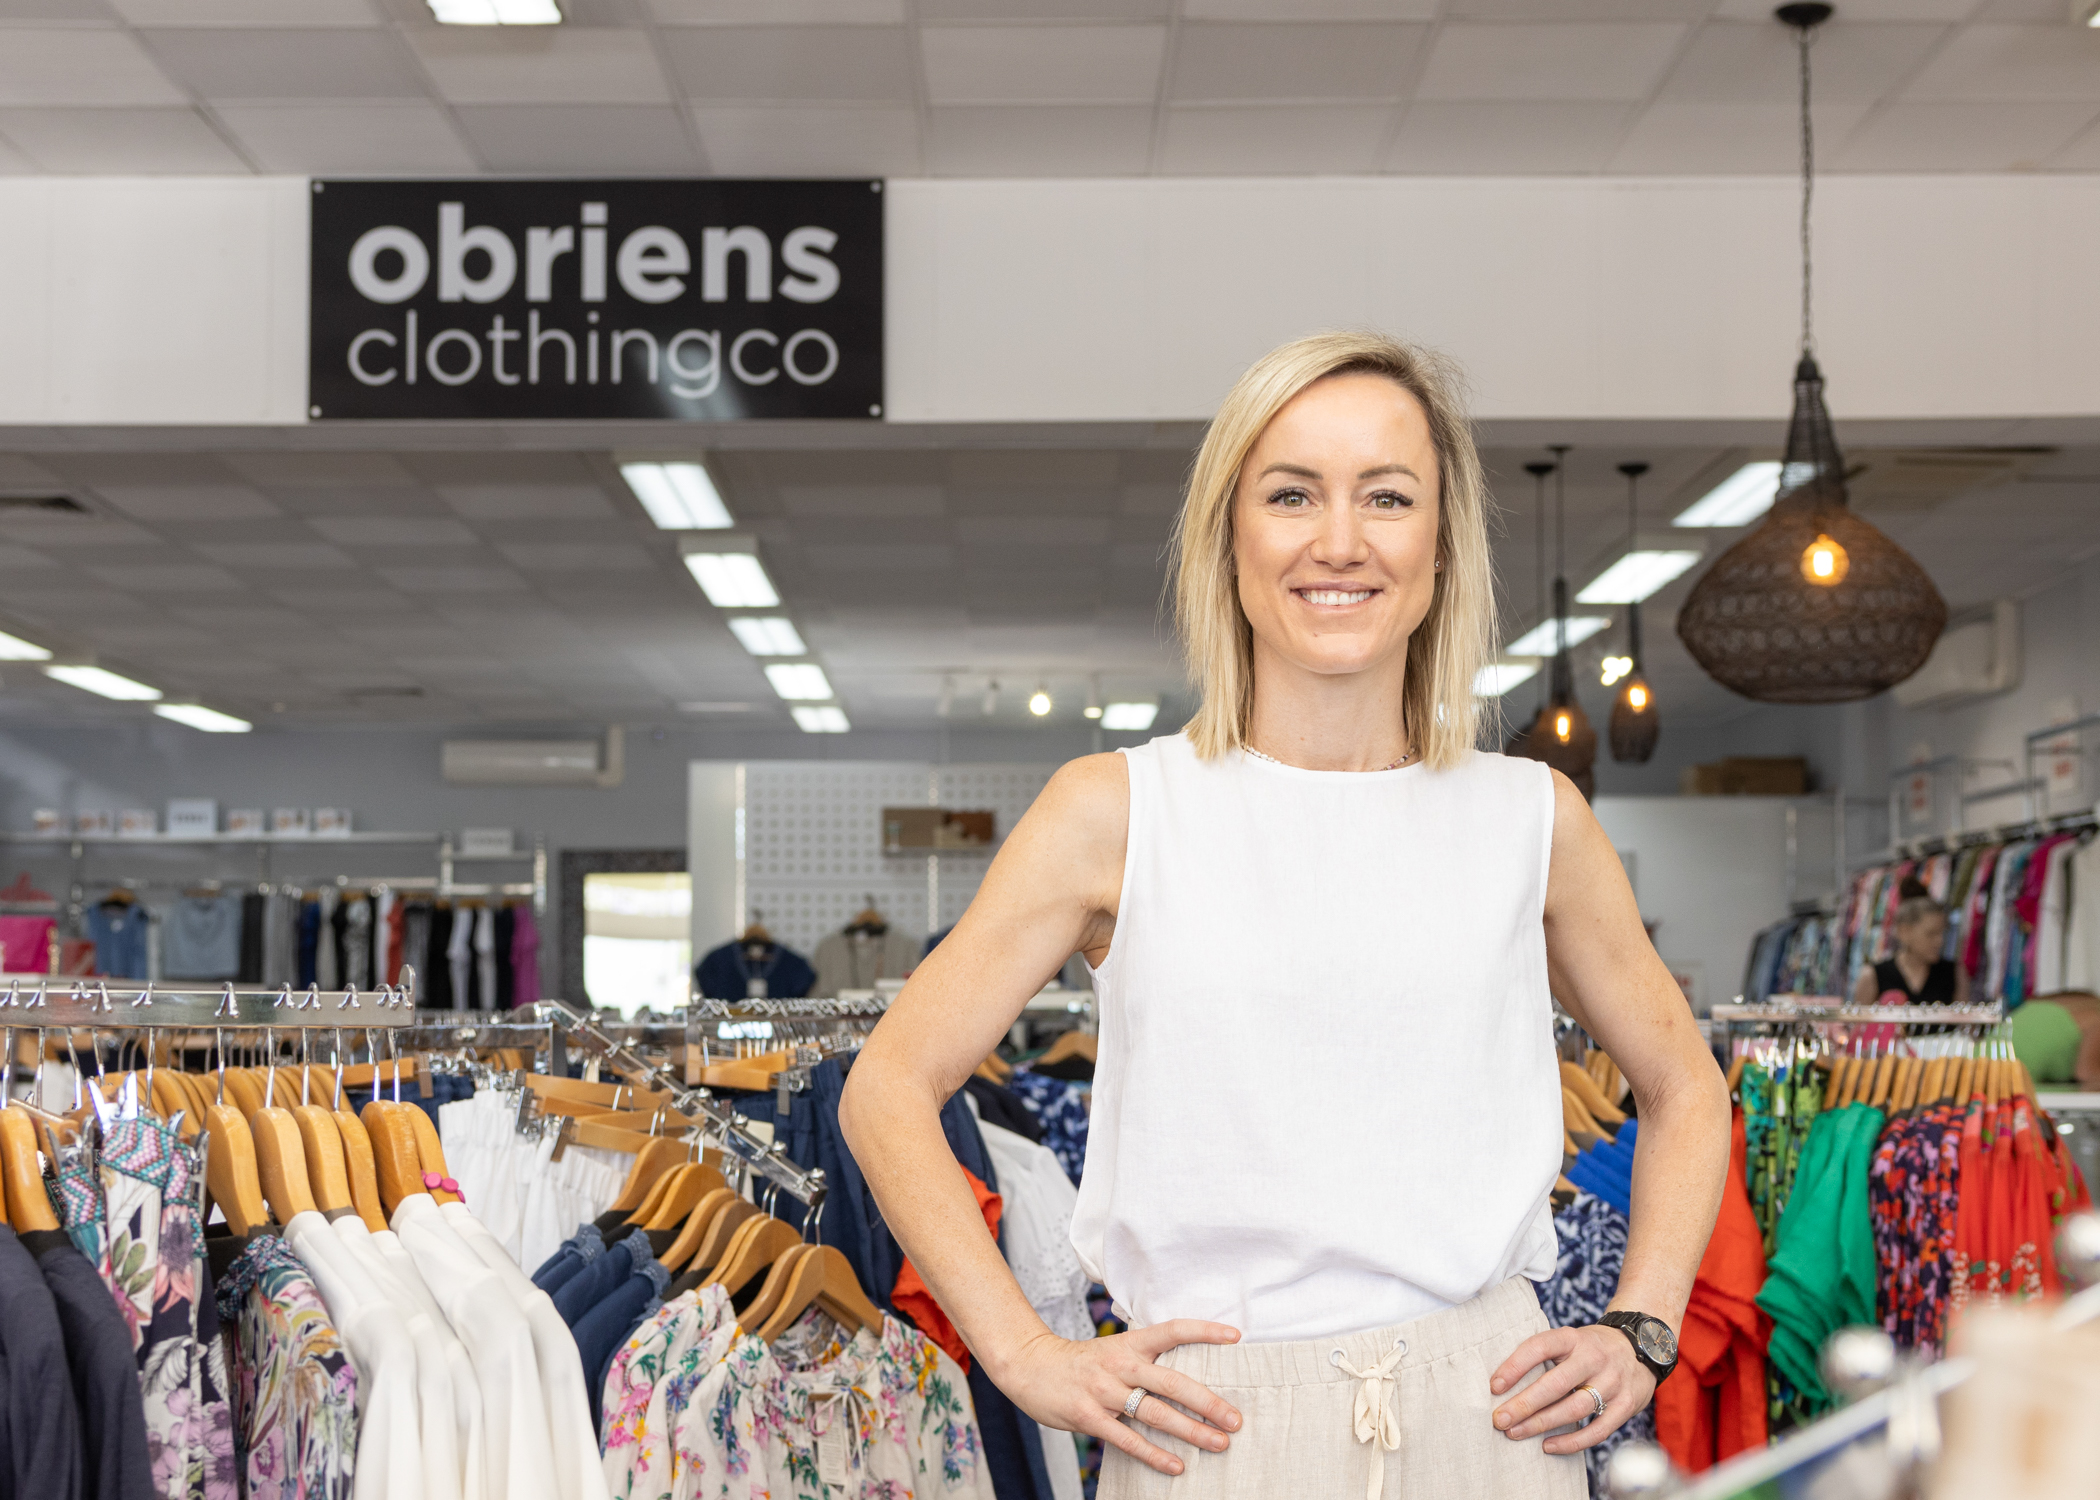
(1759, 624)
(1576, 756)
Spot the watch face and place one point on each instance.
(1656, 1342)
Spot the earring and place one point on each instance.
(1440, 565)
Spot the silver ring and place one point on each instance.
(1595, 1399)
(1135, 1400)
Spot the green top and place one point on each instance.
(2046, 1038)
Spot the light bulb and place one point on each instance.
(1824, 562)
(1614, 667)
(1039, 702)
(1563, 726)
(1092, 710)
(1637, 697)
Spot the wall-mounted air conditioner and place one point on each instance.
(535, 762)
(1974, 659)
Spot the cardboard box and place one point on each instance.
(1746, 776)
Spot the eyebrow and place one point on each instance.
(1305, 473)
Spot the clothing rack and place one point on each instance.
(1828, 1008)
(44, 1000)
(767, 1159)
(453, 1030)
(1998, 833)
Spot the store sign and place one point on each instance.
(677, 300)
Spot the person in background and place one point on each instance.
(1917, 974)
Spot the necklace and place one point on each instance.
(1272, 760)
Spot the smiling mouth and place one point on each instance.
(1334, 597)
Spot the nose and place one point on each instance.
(1341, 542)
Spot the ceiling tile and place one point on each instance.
(2081, 155)
(391, 531)
(380, 139)
(1747, 64)
(278, 557)
(14, 558)
(778, 12)
(611, 139)
(168, 578)
(232, 64)
(40, 66)
(1041, 141)
(1689, 137)
(462, 579)
(1044, 10)
(56, 10)
(320, 468)
(1508, 137)
(884, 501)
(1265, 140)
(1869, 10)
(187, 502)
(1309, 10)
(580, 557)
(248, 12)
(1600, 60)
(790, 141)
(2024, 64)
(1961, 137)
(540, 64)
(1042, 65)
(524, 502)
(782, 63)
(1225, 63)
(97, 141)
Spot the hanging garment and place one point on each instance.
(855, 960)
(382, 933)
(115, 1462)
(118, 931)
(294, 1388)
(506, 932)
(525, 959)
(730, 973)
(459, 956)
(1218, 1215)
(1060, 1108)
(438, 993)
(309, 943)
(328, 944)
(357, 943)
(415, 947)
(485, 959)
(253, 907)
(1592, 1238)
(396, 939)
(201, 938)
(42, 1453)
(280, 938)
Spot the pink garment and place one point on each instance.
(1979, 908)
(524, 958)
(25, 944)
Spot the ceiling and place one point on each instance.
(529, 589)
(1018, 88)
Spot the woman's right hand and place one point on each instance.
(1081, 1387)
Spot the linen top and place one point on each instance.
(1364, 952)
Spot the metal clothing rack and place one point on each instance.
(1997, 833)
(756, 1155)
(54, 1001)
(1784, 1009)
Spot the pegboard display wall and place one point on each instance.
(812, 842)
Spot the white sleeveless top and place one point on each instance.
(1327, 1098)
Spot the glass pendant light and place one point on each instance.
(1561, 735)
(1815, 605)
(1635, 725)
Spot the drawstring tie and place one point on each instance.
(1376, 1422)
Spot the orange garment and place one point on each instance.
(1713, 1405)
(397, 943)
(914, 1299)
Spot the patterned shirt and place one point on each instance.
(1060, 1108)
(1592, 1238)
(294, 1388)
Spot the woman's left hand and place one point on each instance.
(1599, 1357)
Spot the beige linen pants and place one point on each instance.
(1427, 1387)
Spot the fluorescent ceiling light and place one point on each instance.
(1498, 677)
(1129, 717)
(197, 716)
(1635, 576)
(496, 12)
(768, 635)
(799, 680)
(14, 648)
(108, 684)
(1737, 500)
(826, 720)
(1543, 639)
(732, 580)
(678, 497)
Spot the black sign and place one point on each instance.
(682, 300)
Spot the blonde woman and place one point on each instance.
(1323, 930)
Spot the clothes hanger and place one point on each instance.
(758, 1242)
(430, 1152)
(995, 1069)
(321, 1143)
(28, 1205)
(230, 1171)
(693, 1232)
(1591, 1097)
(656, 1157)
(773, 1290)
(689, 1184)
(1071, 1044)
(823, 1277)
(713, 1249)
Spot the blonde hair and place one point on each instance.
(1457, 636)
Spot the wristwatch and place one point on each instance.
(1653, 1343)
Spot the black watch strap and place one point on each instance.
(1653, 1343)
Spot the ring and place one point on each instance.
(1595, 1398)
(1136, 1399)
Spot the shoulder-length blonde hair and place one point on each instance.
(1455, 639)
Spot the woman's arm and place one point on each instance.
(1051, 892)
(1607, 975)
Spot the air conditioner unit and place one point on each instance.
(1976, 658)
(534, 762)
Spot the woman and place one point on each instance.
(1323, 931)
(1917, 974)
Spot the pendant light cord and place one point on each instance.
(1560, 545)
(1806, 35)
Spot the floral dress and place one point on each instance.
(156, 1269)
(651, 1451)
(1060, 1108)
(1592, 1237)
(294, 1388)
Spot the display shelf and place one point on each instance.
(205, 840)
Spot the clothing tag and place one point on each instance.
(831, 1457)
(590, 1070)
(755, 987)
(783, 1099)
(423, 1078)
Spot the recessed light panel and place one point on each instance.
(1544, 639)
(14, 648)
(1737, 500)
(496, 12)
(732, 580)
(107, 684)
(768, 635)
(678, 497)
(802, 681)
(197, 716)
(1635, 576)
(1498, 677)
(827, 720)
(1130, 718)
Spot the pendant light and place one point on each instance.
(1635, 725)
(1815, 605)
(1561, 736)
(1538, 473)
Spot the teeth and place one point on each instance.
(1334, 596)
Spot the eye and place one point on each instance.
(1391, 500)
(1290, 500)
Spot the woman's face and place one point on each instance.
(1922, 937)
(1335, 526)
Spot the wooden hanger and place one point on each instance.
(775, 1287)
(280, 1159)
(995, 1069)
(823, 1277)
(757, 1073)
(758, 1242)
(28, 1205)
(243, 1092)
(713, 1248)
(361, 1168)
(755, 933)
(694, 1230)
(655, 1158)
(573, 1096)
(1586, 1092)
(1575, 1118)
(430, 1151)
(690, 1183)
(396, 1159)
(230, 1171)
(327, 1168)
(1071, 1044)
